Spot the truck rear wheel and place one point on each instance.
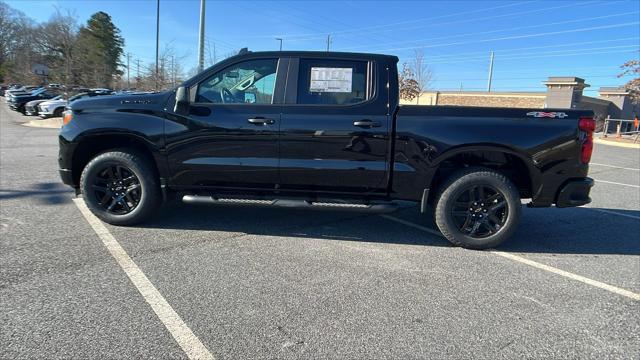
(120, 187)
(477, 208)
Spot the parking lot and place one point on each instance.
(241, 282)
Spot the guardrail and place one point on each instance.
(623, 127)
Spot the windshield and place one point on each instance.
(78, 96)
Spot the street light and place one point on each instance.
(280, 39)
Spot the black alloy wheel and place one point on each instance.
(117, 189)
(480, 211)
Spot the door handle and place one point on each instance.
(366, 123)
(261, 121)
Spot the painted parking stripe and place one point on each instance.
(615, 167)
(614, 213)
(185, 338)
(616, 183)
(535, 264)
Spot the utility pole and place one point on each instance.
(490, 72)
(157, 41)
(128, 79)
(173, 72)
(280, 39)
(215, 59)
(138, 73)
(328, 41)
(201, 39)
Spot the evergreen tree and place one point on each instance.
(98, 51)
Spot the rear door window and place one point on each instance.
(332, 82)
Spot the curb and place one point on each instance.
(54, 123)
(616, 143)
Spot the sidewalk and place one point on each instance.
(613, 141)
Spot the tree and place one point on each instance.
(408, 85)
(632, 68)
(98, 51)
(57, 40)
(17, 53)
(422, 72)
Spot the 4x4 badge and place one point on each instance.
(542, 114)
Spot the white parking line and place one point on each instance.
(520, 259)
(616, 183)
(614, 213)
(615, 167)
(185, 338)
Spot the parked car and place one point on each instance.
(31, 108)
(55, 107)
(12, 87)
(18, 102)
(22, 90)
(322, 129)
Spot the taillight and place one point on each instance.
(587, 149)
(588, 125)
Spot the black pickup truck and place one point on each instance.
(325, 130)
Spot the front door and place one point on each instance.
(230, 138)
(334, 131)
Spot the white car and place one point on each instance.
(56, 107)
(52, 108)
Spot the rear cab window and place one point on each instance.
(333, 82)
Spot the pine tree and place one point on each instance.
(98, 51)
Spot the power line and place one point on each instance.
(518, 36)
(465, 20)
(357, 30)
(532, 55)
(496, 31)
(503, 51)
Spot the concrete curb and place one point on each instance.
(616, 143)
(53, 123)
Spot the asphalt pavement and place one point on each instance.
(283, 283)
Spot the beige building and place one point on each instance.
(562, 93)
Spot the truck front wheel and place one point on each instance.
(120, 187)
(477, 208)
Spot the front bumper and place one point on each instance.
(67, 177)
(574, 193)
(44, 112)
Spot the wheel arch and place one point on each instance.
(513, 164)
(91, 145)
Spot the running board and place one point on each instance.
(300, 204)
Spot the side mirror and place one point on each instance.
(182, 101)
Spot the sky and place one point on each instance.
(531, 40)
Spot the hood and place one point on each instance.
(58, 102)
(36, 102)
(122, 102)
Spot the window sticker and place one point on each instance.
(332, 80)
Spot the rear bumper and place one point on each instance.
(574, 193)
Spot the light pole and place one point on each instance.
(201, 40)
(280, 39)
(157, 40)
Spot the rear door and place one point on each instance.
(334, 131)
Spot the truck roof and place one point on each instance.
(320, 54)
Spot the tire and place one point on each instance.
(58, 112)
(477, 208)
(134, 182)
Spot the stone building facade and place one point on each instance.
(562, 93)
